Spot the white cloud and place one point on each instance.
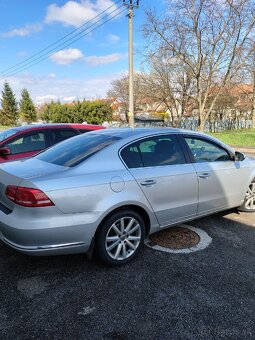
(39, 100)
(22, 31)
(75, 13)
(67, 56)
(46, 88)
(69, 99)
(114, 38)
(105, 59)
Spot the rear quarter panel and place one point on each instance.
(88, 189)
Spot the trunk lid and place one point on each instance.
(14, 173)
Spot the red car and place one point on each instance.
(26, 141)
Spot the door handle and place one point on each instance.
(149, 182)
(204, 176)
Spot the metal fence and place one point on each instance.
(217, 125)
(192, 124)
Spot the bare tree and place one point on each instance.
(120, 90)
(253, 99)
(249, 72)
(169, 83)
(209, 37)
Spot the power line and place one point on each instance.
(32, 58)
(46, 48)
(46, 55)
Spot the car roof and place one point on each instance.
(56, 125)
(128, 132)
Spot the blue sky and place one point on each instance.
(84, 69)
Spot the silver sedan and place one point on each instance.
(105, 191)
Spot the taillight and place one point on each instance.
(28, 197)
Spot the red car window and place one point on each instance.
(59, 135)
(27, 143)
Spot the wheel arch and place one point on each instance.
(138, 209)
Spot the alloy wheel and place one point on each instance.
(123, 238)
(250, 198)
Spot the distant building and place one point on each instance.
(234, 101)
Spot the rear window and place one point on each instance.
(73, 151)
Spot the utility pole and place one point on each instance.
(131, 4)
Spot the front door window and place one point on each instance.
(27, 143)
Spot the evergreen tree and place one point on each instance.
(9, 111)
(27, 108)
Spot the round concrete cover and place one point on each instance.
(181, 239)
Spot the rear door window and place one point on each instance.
(154, 151)
(84, 130)
(58, 135)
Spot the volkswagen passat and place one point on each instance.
(105, 191)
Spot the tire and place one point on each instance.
(249, 201)
(120, 237)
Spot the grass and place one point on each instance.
(244, 137)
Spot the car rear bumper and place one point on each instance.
(44, 250)
(36, 236)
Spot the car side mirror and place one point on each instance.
(239, 156)
(5, 151)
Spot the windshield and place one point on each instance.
(7, 133)
(75, 150)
